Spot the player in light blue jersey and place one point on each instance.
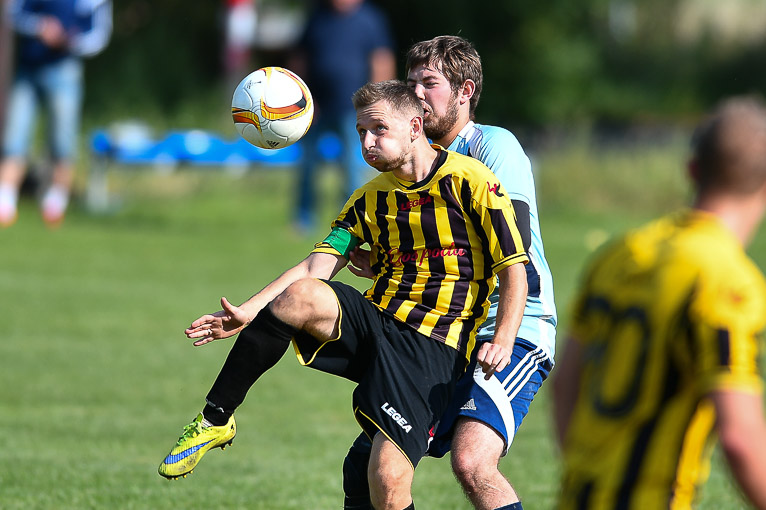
(501, 152)
(485, 413)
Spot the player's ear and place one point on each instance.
(416, 127)
(466, 91)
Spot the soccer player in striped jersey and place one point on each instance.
(440, 229)
(664, 346)
(485, 414)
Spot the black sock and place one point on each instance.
(411, 507)
(513, 506)
(356, 488)
(258, 348)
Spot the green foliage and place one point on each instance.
(546, 63)
(558, 62)
(538, 58)
(638, 179)
(161, 55)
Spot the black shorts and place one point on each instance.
(405, 379)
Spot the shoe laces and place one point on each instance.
(191, 430)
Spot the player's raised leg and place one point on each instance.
(306, 305)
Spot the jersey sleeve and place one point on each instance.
(727, 320)
(502, 153)
(345, 233)
(95, 29)
(25, 20)
(338, 242)
(495, 219)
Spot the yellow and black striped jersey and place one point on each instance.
(435, 245)
(667, 314)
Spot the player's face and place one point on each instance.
(384, 135)
(438, 98)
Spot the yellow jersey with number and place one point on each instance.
(666, 314)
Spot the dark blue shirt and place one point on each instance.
(338, 47)
(88, 24)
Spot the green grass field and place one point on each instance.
(97, 378)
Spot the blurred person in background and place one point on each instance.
(665, 340)
(52, 39)
(346, 43)
(6, 45)
(240, 25)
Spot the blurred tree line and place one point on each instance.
(546, 63)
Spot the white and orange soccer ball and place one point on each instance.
(272, 108)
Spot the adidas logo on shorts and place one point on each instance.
(469, 406)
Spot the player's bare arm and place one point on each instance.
(566, 386)
(231, 319)
(742, 432)
(382, 65)
(495, 356)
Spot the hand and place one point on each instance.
(360, 263)
(493, 358)
(221, 324)
(52, 33)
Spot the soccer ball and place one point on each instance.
(272, 108)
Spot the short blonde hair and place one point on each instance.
(394, 92)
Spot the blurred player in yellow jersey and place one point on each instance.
(664, 343)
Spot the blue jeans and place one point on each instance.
(60, 87)
(355, 169)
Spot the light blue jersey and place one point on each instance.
(501, 152)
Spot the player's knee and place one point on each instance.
(298, 293)
(470, 469)
(385, 476)
(389, 484)
(296, 301)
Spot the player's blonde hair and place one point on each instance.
(455, 58)
(394, 92)
(730, 147)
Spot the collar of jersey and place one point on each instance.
(440, 159)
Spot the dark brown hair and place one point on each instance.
(454, 57)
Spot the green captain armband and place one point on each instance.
(340, 240)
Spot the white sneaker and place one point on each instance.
(7, 208)
(54, 206)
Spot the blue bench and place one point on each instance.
(129, 145)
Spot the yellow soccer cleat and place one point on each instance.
(195, 441)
